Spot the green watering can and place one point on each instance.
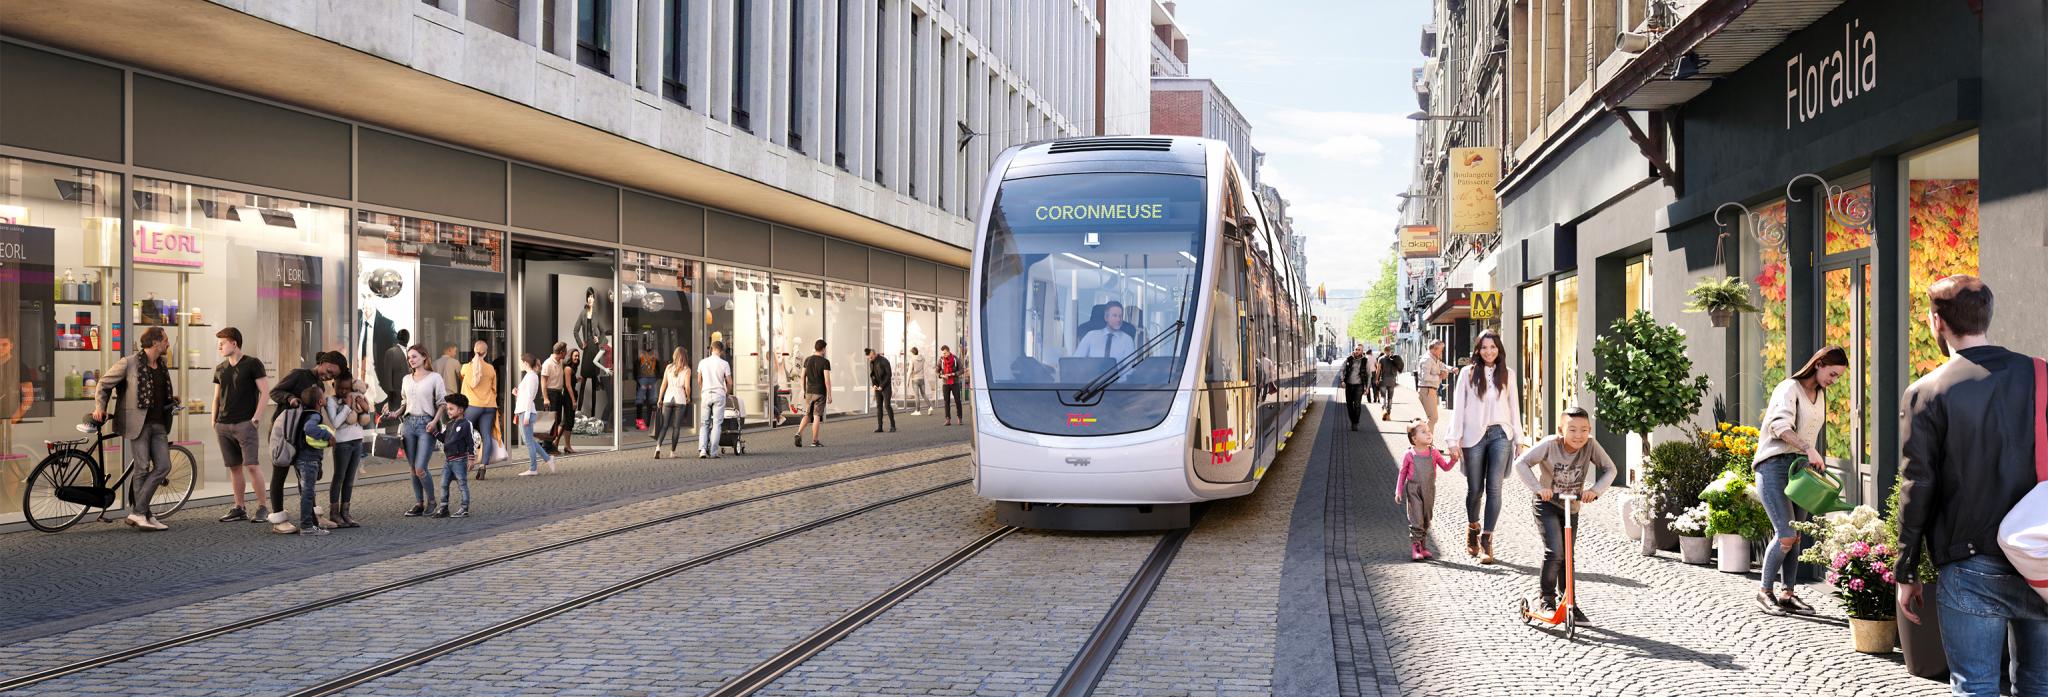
(1817, 492)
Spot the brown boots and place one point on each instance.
(1479, 544)
(1472, 539)
(1486, 548)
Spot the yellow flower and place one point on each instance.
(1724, 426)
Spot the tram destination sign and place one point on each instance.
(1110, 211)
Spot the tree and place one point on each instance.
(1645, 379)
(1369, 321)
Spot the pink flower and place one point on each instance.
(1889, 578)
(1859, 549)
(1883, 550)
(1841, 559)
(1879, 567)
(1855, 584)
(1832, 577)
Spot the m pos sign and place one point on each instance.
(1486, 304)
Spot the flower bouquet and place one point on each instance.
(1691, 526)
(1734, 518)
(1858, 551)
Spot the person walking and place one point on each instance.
(423, 394)
(144, 407)
(817, 393)
(458, 442)
(572, 372)
(525, 413)
(1430, 380)
(289, 393)
(880, 376)
(920, 386)
(449, 366)
(1415, 486)
(1372, 376)
(1568, 462)
(674, 392)
(714, 383)
(1791, 433)
(1966, 458)
(238, 386)
(1390, 368)
(309, 437)
(347, 413)
(646, 392)
(1485, 435)
(554, 381)
(480, 390)
(949, 377)
(1353, 375)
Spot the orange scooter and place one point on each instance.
(1562, 615)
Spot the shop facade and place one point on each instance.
(130, 200)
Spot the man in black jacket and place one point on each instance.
(880, 375)
(1354, 375)
(1966, 459)
(1390, 368)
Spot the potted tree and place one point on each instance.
(1721, 299)
(1734, 518)
(1646, 382)
(1691, 526)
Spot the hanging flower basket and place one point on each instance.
(1721, 317)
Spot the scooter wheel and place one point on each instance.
(1571, 627)
(1524, 612)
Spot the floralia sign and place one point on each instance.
(1813, 87)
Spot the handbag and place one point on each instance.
(386, 447)
(2023, 534)
(498, 453)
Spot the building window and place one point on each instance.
(839, 90)
(594, 34)
(547, 25)
(914, 148)
(796, 76)
(1531, 365)
(742, 73)
(1565, 370)
(1763, 360)
(881, 95)
(675, 62)
(1941, 236)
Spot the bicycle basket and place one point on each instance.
(88, 496)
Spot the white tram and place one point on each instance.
(1139, 342)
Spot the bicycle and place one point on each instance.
(58, 492)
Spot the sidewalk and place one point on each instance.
(1658, 626)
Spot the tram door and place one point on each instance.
(1223, 434)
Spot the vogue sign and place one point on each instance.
(1814, 86)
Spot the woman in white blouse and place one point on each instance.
(1791, 430)
(1486, 434)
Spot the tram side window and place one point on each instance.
(1226, 360)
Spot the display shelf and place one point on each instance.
(67, 303)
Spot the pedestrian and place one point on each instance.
(391, 368)
(572, 371)
(1390, 368)
(288, 394)
(1485, 435)
(347, 413)
(646, 395)
(817, 393)
(714, 383)
(1966, 458)
(310, 437)
(1372, 376)
(554, 381)
(1430, 380)
(882, 378)
(423, 394)
(1352, 376)
(1790, 433)
(458, 443)
(525, 414)
(920, 386)
(949, 386)
(144, 406)
(480, 390)
(1415, 486)
(449, 366)
(1568, 462)
(674, 391)
(238, 386)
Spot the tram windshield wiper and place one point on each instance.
(1108, 377)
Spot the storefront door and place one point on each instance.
(1844, 273)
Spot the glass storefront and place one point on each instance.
(656, 294)
(1565, 372)
(737, 304)
(920, 333)
(799, 321)
(885, 334)
(1530, 367)
(846, 332)
(1763, 357)
(566, 295)
(1941, 220)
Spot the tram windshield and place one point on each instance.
(1088, 281)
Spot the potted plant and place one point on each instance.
(1721, 299)
(1645, 382)
(1858, 551)
(1921, 642)
(1674, 474)
(1649, 519)
(1691, 526)
(1734, 518)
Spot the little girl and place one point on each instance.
(1416, 486)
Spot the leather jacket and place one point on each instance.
(1967, 455)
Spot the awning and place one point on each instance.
(1455, 304)
(1727, 35)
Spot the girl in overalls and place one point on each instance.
(1415, 488)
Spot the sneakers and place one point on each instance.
(416, 511)
(234, 515)
(312, 531)
(529, 473)
(460, 512)
(145, 523)
(701, 455)
(878, 430)
(657, 452)
(1415, 551)
(440, 511)
(262, 513)
(816, 444)
(799, 439)
(1768, 604)
(289, 529)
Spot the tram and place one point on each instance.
(1139, 339)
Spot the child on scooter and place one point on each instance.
(1569, 462)
(1415, 488)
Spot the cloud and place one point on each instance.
(1347, 238)
(1348, 137)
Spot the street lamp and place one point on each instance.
(1425, 197)
(1426, 116)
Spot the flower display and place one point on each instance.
(1857, 548)
(1692, 522)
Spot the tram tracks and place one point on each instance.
(127, 654)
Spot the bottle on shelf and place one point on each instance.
(70, 288)
(74, 385)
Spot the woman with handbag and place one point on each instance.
(1790, 437)
(524, 413)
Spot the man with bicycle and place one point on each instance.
(139, 386)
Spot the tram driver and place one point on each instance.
(1113, 340)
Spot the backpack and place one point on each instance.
(284, 436)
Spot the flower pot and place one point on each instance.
(1696, 549)
(1661, 530)
(1629, 526)
(1874, 636)
(1721, 317)
(1648, 545)
(1734, 556)
(1921, 643)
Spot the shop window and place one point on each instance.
(657, 329)
(885, 334)
(1636, 275)
(60, 273)
(920, 333)
(566, 295)
(846, 332)
(736, 311)
(1530, 369)
(799, 321)
(1850, 206)
(1565, 374)
(1764, 360)
(1941, 232)
(398, 258)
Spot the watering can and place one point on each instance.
(1818, 492)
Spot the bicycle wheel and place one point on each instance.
(39, 502)
(178, 484)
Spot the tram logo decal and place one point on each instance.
(1222, 447)
(1078, 420)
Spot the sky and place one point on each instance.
(1326, 87)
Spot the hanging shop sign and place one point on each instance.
(1420, 242)
(1814, 85)
(1486, 304)
(1474, 174)
(160, 245)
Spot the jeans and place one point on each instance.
(1981, 597)
(1354, 396)
(885, 403)
(643, 397)
(1771, 477)
(713, 424)
(419, 448)
(308, 468)
(534, 452)
(485, 421)
(950, 395)
(456, 472)
(1550, 517)
(149, 463)
(922, 392)
(1485, 464)
(348, 456)
(673, 418)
